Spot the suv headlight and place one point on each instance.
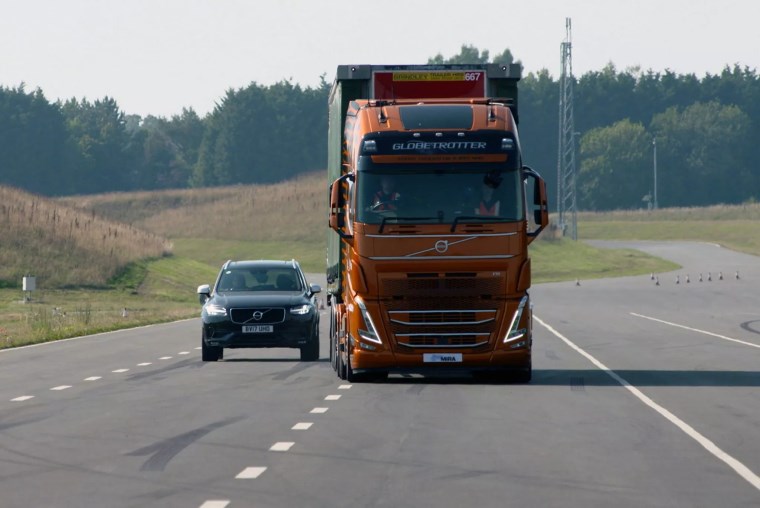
(215, 310)
(300, 310)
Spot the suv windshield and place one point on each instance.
(259, 279)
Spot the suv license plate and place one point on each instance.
(257, 329)
(442, 357)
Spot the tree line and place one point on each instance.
(705, 129)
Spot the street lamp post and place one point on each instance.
(654, 147)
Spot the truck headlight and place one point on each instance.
(516, 333)
(370, 334)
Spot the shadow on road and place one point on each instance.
(575, 378)
(579, 379)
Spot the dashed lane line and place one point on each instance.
(696, 330)
(319, 410)
(687, 429)
(332, 397)
(345, 387)
(94, 378)
(216, 503)
(302, 426)
(250, 473)
(281, 446)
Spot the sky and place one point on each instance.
(156, 57)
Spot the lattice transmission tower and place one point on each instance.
(567, 212)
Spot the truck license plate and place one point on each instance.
(442, 357)
(257, 329)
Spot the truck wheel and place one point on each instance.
(333, 343)
(310, 352)
(524, 375)
(342, 370)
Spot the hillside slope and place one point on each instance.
(66, 246)
(294, 210)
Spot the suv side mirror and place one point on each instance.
(315, 288)
(204, 293)
(540, 205)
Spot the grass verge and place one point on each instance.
(146, 292)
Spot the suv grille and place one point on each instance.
(269, 315)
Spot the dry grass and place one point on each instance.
(62, 245)
(747, 211)
(295, 210)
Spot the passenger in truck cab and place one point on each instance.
(385, 198)
(489, 205)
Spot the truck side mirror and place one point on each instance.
(540, 203)
(337, 219)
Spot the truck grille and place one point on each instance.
(442, 285)
(442, 310)
(445, 328)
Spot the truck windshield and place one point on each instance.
(438, 195)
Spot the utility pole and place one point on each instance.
(654, 148)
(566, 174)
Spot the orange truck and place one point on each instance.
(431, 213)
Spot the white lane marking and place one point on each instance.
(184, 353)
(22, 398)
(92, 378)
(319, 410)
(695, 330)
(332, 397)
(144, 364)
(345, 387)
(281, 446)
(215, 503)
(251, 472)
(198, 347)
(302, 426)
(165, 358)
(119, 371)
(59, 388)
(687, 429)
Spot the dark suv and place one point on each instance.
(260, 304)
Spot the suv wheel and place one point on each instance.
(210, 353)
(310, 352)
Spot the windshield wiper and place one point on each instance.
(400, 219)
(474, 217)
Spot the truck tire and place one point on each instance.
(342, 370)
(524, 375)
(333, 342)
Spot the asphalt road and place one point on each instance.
(643, 395)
